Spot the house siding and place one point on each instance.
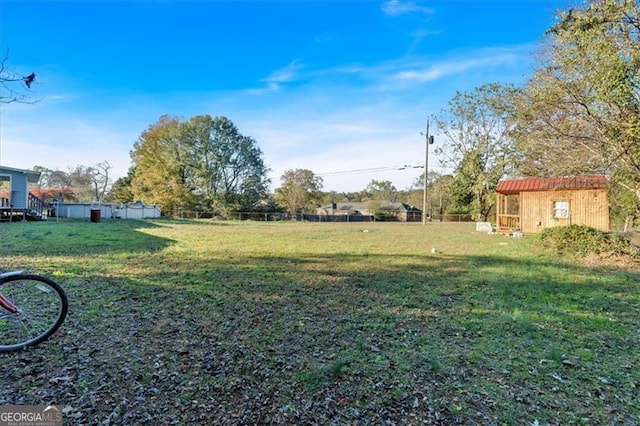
(19, 191)
(19, 186)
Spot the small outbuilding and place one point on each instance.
(16, 202)
(533, 204)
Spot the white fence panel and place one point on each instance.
(107, 211)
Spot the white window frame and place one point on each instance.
(561, 209)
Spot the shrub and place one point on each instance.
(583, 240)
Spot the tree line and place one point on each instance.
(577, 113)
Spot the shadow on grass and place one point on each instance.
(80, 238)
(389, 274)
(408, 287)
(336, 338)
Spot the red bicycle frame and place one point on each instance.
(6, 303)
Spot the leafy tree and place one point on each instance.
(299, 191)
(159, 171)
(580, 110)
(468, 192)
(379, 210)
(341, 197)
(224, 167)
(439, 193)
(382, 190)
(355, 196)
(332, 197)
(121, 189)
(477, 144)
(12, 85)
(201, 164)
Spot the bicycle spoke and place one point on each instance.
(39, 307)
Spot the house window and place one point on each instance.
(560, 209)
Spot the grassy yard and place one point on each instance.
(204, 322)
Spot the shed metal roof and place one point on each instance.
(516, 186)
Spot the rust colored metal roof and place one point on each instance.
(516, 186)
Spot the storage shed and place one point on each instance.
(533, 204)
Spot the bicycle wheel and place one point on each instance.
(31, 310)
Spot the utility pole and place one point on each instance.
(428, 141)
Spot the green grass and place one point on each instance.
(245, 323)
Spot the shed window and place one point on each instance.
(560, 209)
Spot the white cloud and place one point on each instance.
(278, 78)
(423, 32)
(349, 167)
(398, 7)
(375, 136)
(349, 117)
(407, 73)
(452, 67)
(283, 75)
(61, 142)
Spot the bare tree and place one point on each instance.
(13, 85)
(79, 183)
(100, 179)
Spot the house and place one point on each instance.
(533, 204)
(378, 210)
(16, 202)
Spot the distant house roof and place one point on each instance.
(516, 186)
(32, 176)
(365, 206)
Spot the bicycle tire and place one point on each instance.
(42, 308)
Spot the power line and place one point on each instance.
(369, 170)
(382, 169)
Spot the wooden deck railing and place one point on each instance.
(508, 222)
(37, 206)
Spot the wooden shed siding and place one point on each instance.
(586, 207)
(592, 209)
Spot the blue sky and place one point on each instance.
(325, 85)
